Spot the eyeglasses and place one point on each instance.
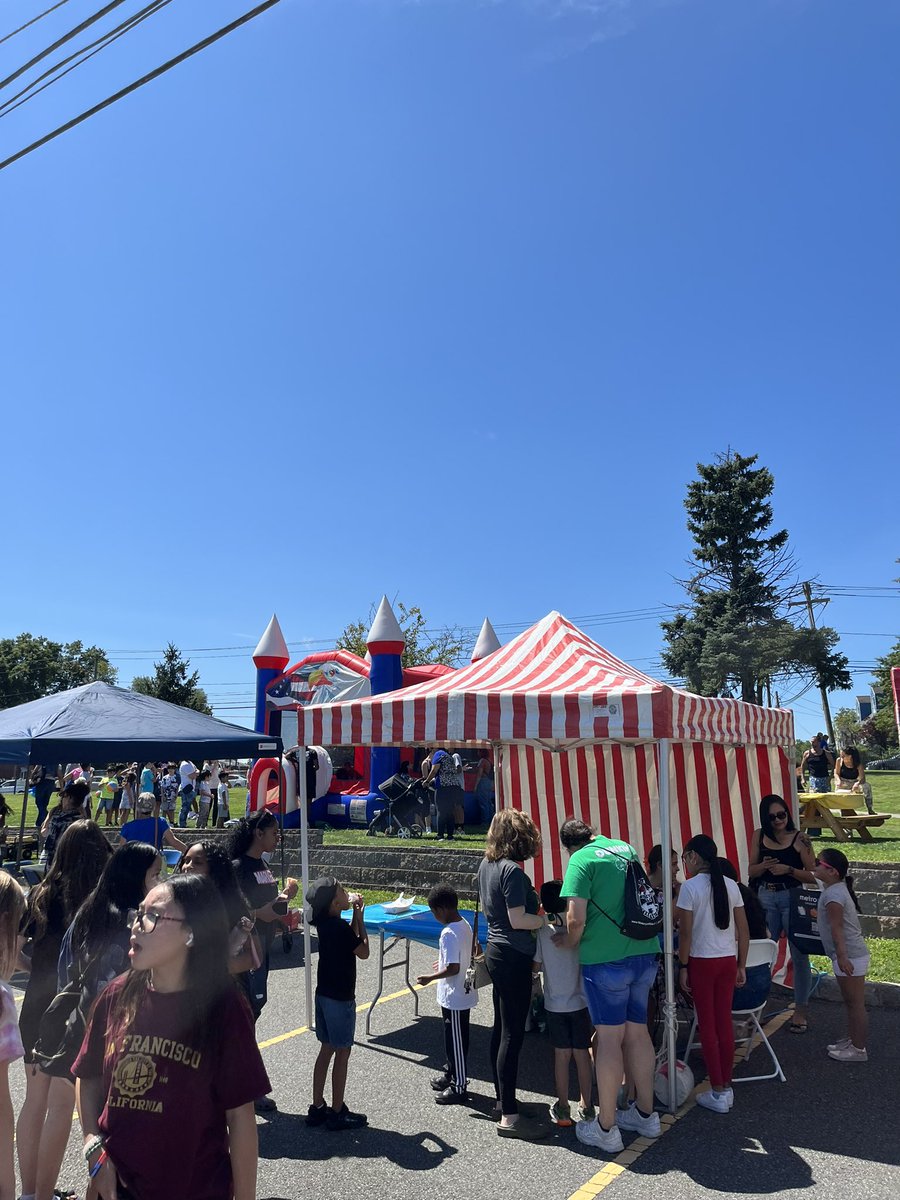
(147, 919)
(778, 816)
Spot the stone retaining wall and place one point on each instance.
(878, 887)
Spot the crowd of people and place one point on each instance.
(143, 988)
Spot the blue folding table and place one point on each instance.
(417, 924)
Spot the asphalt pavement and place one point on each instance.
(832, 1126)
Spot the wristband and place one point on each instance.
(683, 966)
(96, 1143)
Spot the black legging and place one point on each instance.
(510, 972)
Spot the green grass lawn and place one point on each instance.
(885, 966)
(472, 839)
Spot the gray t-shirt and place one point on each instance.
(563, 985)
(855, 942)
(503, 885)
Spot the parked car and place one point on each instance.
(884, 764)
(235, 781)
(10, 785)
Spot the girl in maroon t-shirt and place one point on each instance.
(170, 1059)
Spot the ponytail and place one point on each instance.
(705, 848)
(848, 880)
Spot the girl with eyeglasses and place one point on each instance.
(841, 935)
(94, 950)
(781, 859)
(170, 1059)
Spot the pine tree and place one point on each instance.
(172, 682)
(736, 633)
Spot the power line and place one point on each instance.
(138, 83)
(33, 20)
(66, 37)
(112, 35)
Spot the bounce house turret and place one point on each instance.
(270, 658)
(486, 643)
(385, 644)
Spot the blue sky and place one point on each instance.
(446, 300)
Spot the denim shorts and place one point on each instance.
(618, 991)
(335, 1021)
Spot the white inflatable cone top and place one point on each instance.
(272, 646)
(385, 627)
(487, 642)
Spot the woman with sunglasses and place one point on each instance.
(781, 859)
(170, 1059)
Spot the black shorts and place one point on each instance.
(570, 1030)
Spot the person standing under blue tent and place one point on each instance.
(45, 781)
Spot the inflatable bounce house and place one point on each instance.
(342, 781)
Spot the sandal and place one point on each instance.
(798, 1027)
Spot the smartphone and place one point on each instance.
(280, 907)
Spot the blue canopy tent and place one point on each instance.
(99, 723)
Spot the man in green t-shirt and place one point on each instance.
(618, 972)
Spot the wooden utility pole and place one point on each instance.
(807, 592)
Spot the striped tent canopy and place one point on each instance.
(550, 685)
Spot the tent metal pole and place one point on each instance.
(499, 797)
(282, 804)
(665, 838)
(304, 879)
(24, 810)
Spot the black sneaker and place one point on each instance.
(451, 1096)
(440, 1083)
(265, 1104)
(317, 1114)
(345, 1119)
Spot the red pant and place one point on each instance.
(712, 986)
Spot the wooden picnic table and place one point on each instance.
(837, 812)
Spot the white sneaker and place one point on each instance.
(630, 1118)
(728, 1093)
(841, 1045)
(609, 1141)
(849, 1053)
(715, 1102)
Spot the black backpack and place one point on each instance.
(643, 907)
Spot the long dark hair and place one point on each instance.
(121, 887)
(705, 848)
(208, 979)
(78, 862)
(242, 838)
(853, 753)
(222, 874)
(753, 909)
(765, 821)
(838, 860)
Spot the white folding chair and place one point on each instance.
(762, 952)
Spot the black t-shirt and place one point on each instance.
(337, 961)
(260, 887)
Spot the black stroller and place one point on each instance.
(407, 802)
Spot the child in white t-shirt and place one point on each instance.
(454, 958)
(565, 1006)
(713, 940)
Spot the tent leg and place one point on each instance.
(499, 798)
(304, 879)
(665, 838)
(24, 810)
(281, 808)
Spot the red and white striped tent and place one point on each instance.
(578, 732)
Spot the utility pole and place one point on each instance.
(807, 592)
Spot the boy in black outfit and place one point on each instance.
(340, 945)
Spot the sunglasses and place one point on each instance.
(821, 863)
(778, 816)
